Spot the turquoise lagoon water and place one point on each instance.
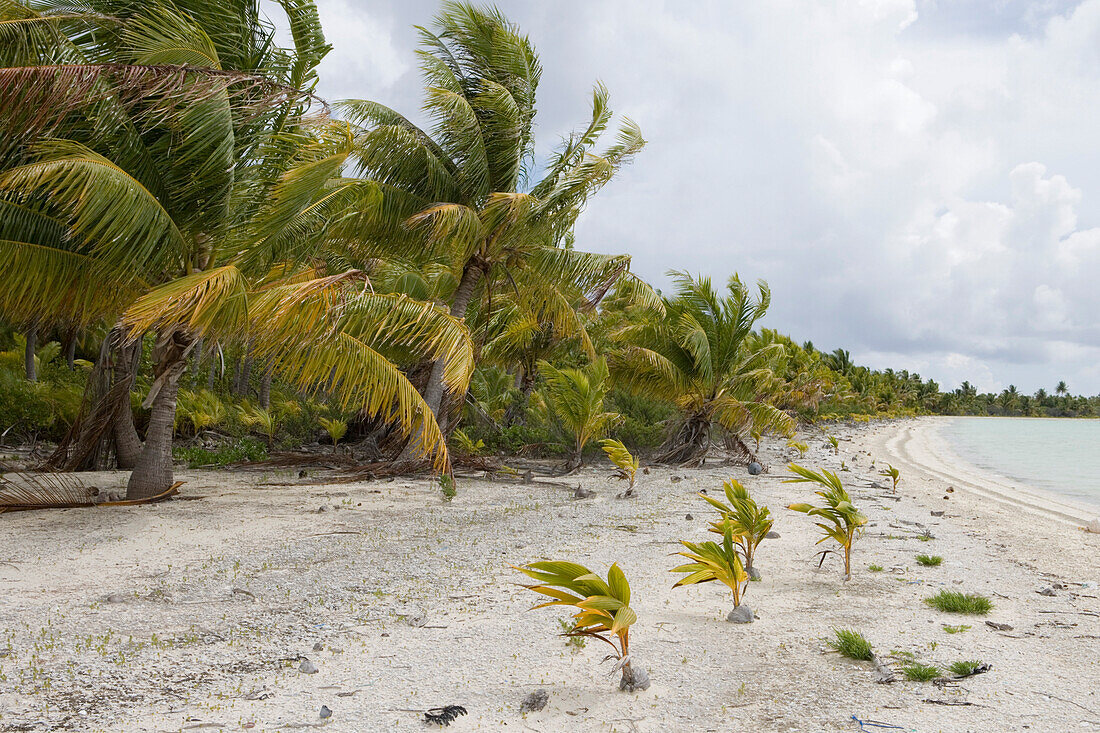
(1060, 456)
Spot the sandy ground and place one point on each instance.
(412, 602)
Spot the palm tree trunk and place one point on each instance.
(244, 375)
(153, 472)
(213, 368)
(70, 349)
(127, 442)
(28, 355)
(434, 390)
(265, 388)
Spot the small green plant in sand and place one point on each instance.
(893, 474)
(842, 521)
(576, 643)
(447, 487)
(843, 466)
(929, 561)
(624, 460)
(604, 611)
(851, 644)
(955, 629)
(798, 446)
(967, 667)
(749, 522)
(712, 561)
(834, 443)
(875, 568)
(950, 601)
(917, 672)
(336, 429)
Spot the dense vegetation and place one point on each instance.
(202, 259)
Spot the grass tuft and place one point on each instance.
(929, 561)
(955, 629)
(965, 667)
(950, 601)
(851, 644)
(875, 568)
(917, 672)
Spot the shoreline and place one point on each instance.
(919, 446)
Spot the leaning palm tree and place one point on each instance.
(700, 356)
(203, 216)
(460, 195)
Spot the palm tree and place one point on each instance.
(700, 356)
(201, 216)
(461, 195)
(576, 397)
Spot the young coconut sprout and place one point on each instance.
(626, 462)
(842, 521)
(749, 522)
(798, 446)
(336, 429)
(892, 474)
(834, 443)
(604, 614)
(711, 561)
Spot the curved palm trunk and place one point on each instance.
(153, 472)
(435, 390)
(106, 421)
(127, 442)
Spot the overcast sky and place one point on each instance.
(918, 181)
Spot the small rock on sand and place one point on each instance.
(772, 535)
(534, 702)
(755, 469)
(740, 615)
(325, 712)
(115, 598)
(754, 574)
(307, 667)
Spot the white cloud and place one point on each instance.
(911, 191)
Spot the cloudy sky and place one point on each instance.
(918, 181)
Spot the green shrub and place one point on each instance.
(917, 672)
(966, 667)
(929, 561)
(239, 451)
(950, 601)
(851, 644)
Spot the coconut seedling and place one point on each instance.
(893, 474)
(604, 608)
(712, 561)
(798, 446)
(336, 429)
(749, 522)
(841, 520)
(626, 462)
(834, 443)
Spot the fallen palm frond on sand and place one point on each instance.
(29, 491)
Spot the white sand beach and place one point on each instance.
(217, 598)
